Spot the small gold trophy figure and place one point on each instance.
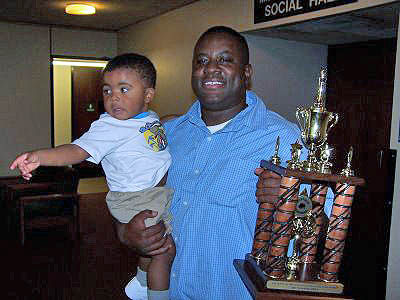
(294, 162)
(325, 156)
(275, 158)
(315, 123)
(348, 171)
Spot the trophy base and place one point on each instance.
(261, 287)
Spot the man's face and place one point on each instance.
(219, 76)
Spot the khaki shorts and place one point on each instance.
(125, 205)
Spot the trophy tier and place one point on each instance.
(266, 271)
(310, 177)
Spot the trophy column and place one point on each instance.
(262, 233)
(281, 230)
(308, 246)
(337, 231)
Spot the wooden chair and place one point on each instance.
(44, 203)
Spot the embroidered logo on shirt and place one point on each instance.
(155, 136)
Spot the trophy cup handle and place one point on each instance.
(300, 113)
(333, 119)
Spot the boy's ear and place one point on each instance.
(149, 95)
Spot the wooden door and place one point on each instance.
(360, 89)
(87, 105)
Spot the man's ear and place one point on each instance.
(149, 94)
(248, 72)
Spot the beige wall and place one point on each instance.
(87, 43)
(296, 81)
(25, 85)
(25, 117)
(62, 104)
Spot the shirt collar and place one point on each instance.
(252, 116)
(141, 115)
(138, 116)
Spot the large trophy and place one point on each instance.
(295, 221)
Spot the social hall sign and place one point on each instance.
(267, 10)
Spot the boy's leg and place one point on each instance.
(159, 272)
(137, 287)
(143, 267)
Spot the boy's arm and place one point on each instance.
(67, 154)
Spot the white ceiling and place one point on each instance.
(111, 14)
(362, 25)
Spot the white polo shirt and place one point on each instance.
(133, 153)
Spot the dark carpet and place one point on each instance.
(53, 266)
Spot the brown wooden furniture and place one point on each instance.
(62, 216)
(43, 204)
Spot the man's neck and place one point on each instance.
(211, 117)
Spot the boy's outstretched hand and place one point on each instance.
(67, 154)
(26, 163)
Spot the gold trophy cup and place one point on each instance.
(315, 123)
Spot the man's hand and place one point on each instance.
(144, 240)
(267, 186)
(26, 163)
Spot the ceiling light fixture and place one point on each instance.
(80, 9)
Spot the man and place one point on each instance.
(215, 148)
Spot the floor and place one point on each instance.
(52, 266)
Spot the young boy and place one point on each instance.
(130, 143)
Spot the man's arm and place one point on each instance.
(144, 240)
(67, 154)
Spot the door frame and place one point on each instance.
(52, 90)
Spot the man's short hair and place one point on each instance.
(240, 38)
(139, 63)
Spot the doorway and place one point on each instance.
(77, 101)
(360, 89)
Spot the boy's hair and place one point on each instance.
(240, 38)
(139, 63)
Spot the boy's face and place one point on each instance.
(125, 94)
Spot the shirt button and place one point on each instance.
(175, 238)
(185, 203)
(196, 171)
(209, 138)
(173, 274)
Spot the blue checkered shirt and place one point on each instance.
(214, 205)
